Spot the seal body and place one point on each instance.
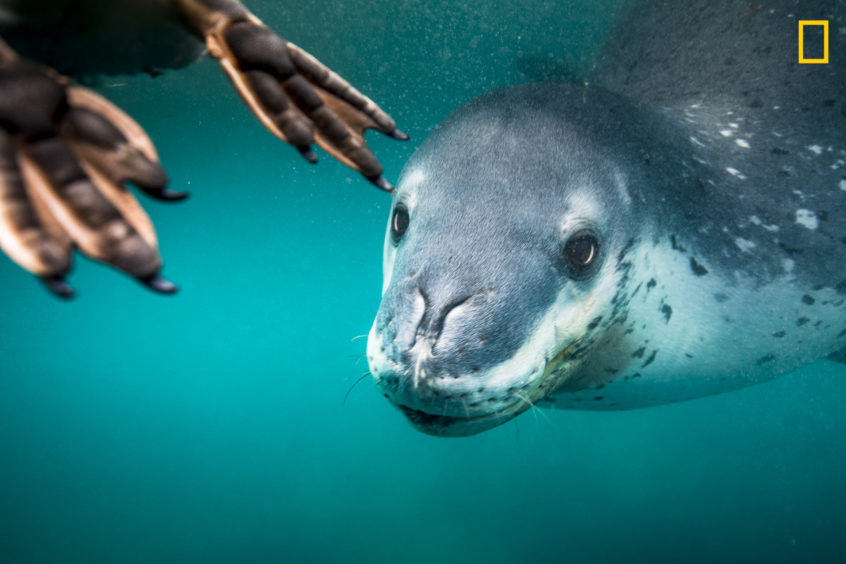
(673, 228)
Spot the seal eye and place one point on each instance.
(399, 222)
(580, 252)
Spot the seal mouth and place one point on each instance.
(452, 426)
(553, 373)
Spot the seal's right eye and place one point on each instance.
(580, 253)
(399, 222)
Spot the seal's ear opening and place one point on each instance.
(580, 254)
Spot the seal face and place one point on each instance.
(675, 228)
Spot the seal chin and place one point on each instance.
(452, 426)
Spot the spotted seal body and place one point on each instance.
(675, 227)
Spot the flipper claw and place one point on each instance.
(381, 183)
(159, 284)
(58, 286)
(165, 194)
(308, 154)
(399, 135)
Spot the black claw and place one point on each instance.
(380, 182)
(58, 286)
(308, 154)
(165, 194)
(159, 284)
(401, 135)
(172, 195)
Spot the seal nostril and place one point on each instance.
(435, 313)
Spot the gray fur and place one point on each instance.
(741, 57)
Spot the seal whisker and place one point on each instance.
(466, 409)
(357, 337)
(358, 358)
(353, 385)
(535, 409)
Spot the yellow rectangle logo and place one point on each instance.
(802, 24)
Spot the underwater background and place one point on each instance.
(212, 426)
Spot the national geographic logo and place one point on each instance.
(815, 42)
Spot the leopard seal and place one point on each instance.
(674, 227)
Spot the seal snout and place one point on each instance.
(434, 317)
(431, 351)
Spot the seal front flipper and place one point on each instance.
(65, 154)
(296, 98)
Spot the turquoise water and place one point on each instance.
(211, 426)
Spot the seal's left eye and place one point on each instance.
(580, 252)
(399, 222)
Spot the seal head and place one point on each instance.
(486, 305)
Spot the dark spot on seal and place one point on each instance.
(829, 103)
(841, 287)
(756, 103)
(651, 284)
(822, 215)
(688, 355)
(806, 299)
(841, 334)
(598, 398)
(675, 244)
(769, 357)
(650, 360)
(639, 352)
(594, 323)
(697, 268)
(729, 61)
(779, 151)
(599, 386)
(779, 334)
(667, 311)
(790, 250)
(721, 298)
(802, 321)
